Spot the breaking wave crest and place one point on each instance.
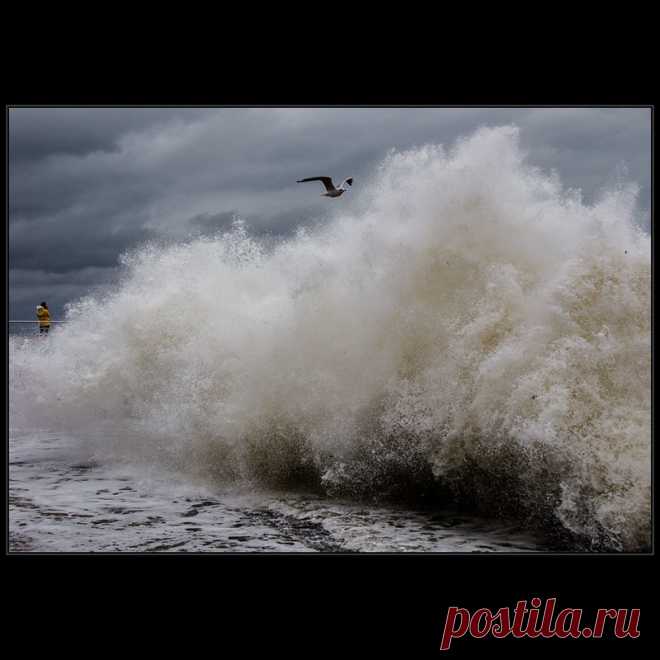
(469, 327)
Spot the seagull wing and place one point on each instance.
(348, 181)
(327, 181)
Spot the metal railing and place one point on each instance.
(36, 321)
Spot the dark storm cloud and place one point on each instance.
(211, 223)
(59, 252)
(39, 132)
(87, 184)
(29, 287)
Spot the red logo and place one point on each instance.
(530, 622)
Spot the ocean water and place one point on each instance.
(62, 500)
(465, 334)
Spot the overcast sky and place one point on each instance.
(86, 184)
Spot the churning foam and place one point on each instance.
(470, 320)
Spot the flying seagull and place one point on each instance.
(331, 191)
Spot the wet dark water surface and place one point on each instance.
(59, 503)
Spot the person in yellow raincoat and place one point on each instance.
(43, 316)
